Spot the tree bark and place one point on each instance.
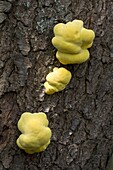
(81, 116)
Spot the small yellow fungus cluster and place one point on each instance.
(72, 40)
(57, 80)
(36, 134)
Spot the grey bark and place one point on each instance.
(81, 116)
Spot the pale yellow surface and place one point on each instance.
(57, 80)
(72, 40)
(70, 58)
(36, 134)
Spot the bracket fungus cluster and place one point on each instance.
(57, 80)
(72, 40)
(36, 134)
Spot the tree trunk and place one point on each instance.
(81, 116)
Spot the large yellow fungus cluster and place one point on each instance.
(57, 80)
(72, 41)
(36, 134)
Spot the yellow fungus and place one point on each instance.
(36, 134)
(72, 40)
(57, 80)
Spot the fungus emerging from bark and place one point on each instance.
(36, 134)
(72, 41)
(57, 80)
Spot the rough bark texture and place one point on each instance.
(81, 116)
